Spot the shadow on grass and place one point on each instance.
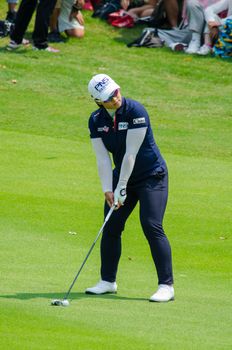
(18, 51)
(73, 296)
(126, 35)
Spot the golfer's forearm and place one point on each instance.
(134, 141)
(105, 174)
(126, 169)
(104, 164)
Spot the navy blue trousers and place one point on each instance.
(152, 195)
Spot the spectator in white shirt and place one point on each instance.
(213, 19)
(198, 27)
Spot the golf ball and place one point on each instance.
(65, 302)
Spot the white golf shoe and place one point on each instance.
(163, 293)
(102, 287)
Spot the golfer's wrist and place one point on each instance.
(121, 184)
(107, 193)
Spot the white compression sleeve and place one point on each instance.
(134, 141)
(104, 164)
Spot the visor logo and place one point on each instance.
(102, 84)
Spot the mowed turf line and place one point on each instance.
(49, 187)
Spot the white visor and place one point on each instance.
(101, 87)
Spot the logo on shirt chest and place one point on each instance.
(122, 126)
(103, 129)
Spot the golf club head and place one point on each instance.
(65, 302)
(58, 302)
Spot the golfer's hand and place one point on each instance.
(109, 197)
(119, 196)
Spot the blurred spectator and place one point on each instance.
(11, 13)
(171, 33)
(95, 4)
(67, 18)
(152, 8)
(70, 19)
(54, 35)
(26, 9)
(219, 19)
(87, 5)
(197, 26)
(141, 11)
(213, 18)
(7, 25)
(188, 37)
(173, 8)
(105, 8)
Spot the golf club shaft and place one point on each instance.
(89, 252)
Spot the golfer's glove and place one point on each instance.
(119, 195)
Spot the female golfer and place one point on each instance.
(121, 126)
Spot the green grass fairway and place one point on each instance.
(49, 187)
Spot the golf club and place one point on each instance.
(64, 301)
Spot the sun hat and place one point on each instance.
(101, 86)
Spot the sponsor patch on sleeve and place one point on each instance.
(139, 120)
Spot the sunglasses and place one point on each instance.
(114, 94)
